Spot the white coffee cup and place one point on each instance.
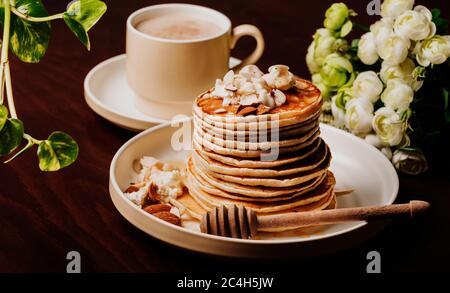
(167, 74)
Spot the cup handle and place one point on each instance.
(248, 30)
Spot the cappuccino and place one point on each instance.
(178, 27)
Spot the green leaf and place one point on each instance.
(3, 116)
(346, 28)
(10, 136)
(81, 16)
(28, 40)
(21, 152)
(86, 12)
(78, 30)
(440, 22)
(58, 151)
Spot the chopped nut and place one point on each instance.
(247, 111)
(279, 97)
(234, 108)
(153, 195)
(249, 100)
(156, 208)
(262, 109)
(168, 217)
(220, 111)
(131, 188)
(231, 88)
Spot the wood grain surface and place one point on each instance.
(45, 215)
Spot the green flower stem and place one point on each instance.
(9, 91)
(5, 46)
(5, 72)
(36, 19)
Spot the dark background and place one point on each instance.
(45, 215)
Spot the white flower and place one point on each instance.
(324, 89)
(368, 85)
(435, 50)
(398, 95)
(388, 126)
(324, 42)
(374, 140)
(358, 116)
(403, 71)
(394, 8)
(338, 113)
(337, 71)
(279, 77)
(410, 162)
(367, 49)
(415, 24)
(394, 49)
(387, 152)
(382, 29)
(313, 65)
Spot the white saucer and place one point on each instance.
(355, 164)
(107, 93)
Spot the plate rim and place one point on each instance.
(111, 114)
(299, 240)
(103, 109)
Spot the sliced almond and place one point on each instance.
(246, 111)
(301, 85)
(279, 97)
(262, 109)
(231, 88)
(157, 208)
(249, 100)
(228, 78)
(220, 111)
(234, 109)
(131, 188)
(168, 217)
(153, 195)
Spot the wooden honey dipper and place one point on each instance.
(240, 222)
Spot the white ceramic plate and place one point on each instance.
(356, 164)
(107, 93)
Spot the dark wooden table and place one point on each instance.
(45, 215)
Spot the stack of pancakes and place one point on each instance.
(273, 162)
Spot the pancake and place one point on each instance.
(199, 143)
(263, 145)
(284, 181)
(319, 198)
(198, 181)
(300, 105)
(258, 193)
(268, 156)
(240, 132)
(256, 163)
(310, 163)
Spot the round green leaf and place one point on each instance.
(58, 151)
(3, 116)
(29, 40)
(86, 12)
(10, 136)
(78, 30)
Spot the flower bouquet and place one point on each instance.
(390, 86)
